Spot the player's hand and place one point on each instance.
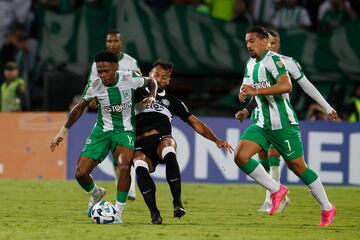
(242, 114)
(249, 90)
(58, 138)
(242, 96)
(93, 104)
(225, 145)
(333, 115)
(149, 100)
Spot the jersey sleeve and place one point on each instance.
(93, 74)
(295, 70)
(276, 66)
(180, 109)
(138, 81)
(246, 79)
(89, 92)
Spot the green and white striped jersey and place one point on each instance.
(126, 63)
(116, 107)
(273, 111)
(293, 67)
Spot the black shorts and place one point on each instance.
(148, 145)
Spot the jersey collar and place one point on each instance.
(262, 57)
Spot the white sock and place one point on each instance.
(263, 178)
(275, 173)
(318, 191)
(133, 180)
(119, 207)
(268, 197)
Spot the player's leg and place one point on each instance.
(143, 167)
(132, 191)
(95, 150)
(254, 140)
(123, 151)
(167, 151)
(266, 206)
(275, 173)
(124, 156)
(288, 143)
(311, 179)
(84, 167)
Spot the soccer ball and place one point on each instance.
(103, 212)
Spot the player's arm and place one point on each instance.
(250, 106)
(311, 90)
(152, 86)
(201, 128)
(74, 115)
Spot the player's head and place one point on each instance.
(256, 41)
(161, 72)
(274, 40)
(11, 71)
(114, 42)
(106, 65)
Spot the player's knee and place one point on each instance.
(167, 150)
(80, 173)
(140, 165)
(241, 158)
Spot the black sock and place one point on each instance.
(147, 189)
(173, 177)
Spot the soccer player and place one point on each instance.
(155, 144)
(114, 129)
(274, 122)
(114, 43)
(271, 158)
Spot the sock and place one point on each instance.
(147, 188)
(133, 180)
(266, 164)
(88, 187)
(258, 173)
(311, 179)
(121, 196)
(274, 163)
(119, 207)
(173, 177)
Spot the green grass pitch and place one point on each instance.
(56, 210)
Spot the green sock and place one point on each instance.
(88, 188)
(121, 196)
(250, 166)
(274, 161)
(266, 164)
(308, 176)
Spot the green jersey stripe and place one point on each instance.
(115, 99)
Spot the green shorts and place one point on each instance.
(287, 140)
(99, 143)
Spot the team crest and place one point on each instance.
(280, 64)
(126, 94)
(165, 102)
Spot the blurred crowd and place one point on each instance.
(323, 15)
(19, 40)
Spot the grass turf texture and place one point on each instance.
(56, 210)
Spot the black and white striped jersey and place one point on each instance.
(160, 114)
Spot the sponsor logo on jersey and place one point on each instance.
(165, 102)
(264, 84)
(118, 107)
(155, 106)
(125, 94)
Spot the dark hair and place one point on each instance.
(106, 56)
(273, 32)
(163, 64)
(113, 31)
(261, 31)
